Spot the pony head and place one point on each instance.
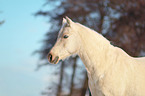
(67, 42)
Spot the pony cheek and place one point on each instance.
(72, 48)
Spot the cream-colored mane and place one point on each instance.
(111, 71)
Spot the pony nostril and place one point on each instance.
(49, 57)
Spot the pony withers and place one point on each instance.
(111, 71)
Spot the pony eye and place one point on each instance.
(65, 36)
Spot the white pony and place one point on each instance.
(111, 71)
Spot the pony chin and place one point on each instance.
(56, 62)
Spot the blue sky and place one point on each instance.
(20, 35)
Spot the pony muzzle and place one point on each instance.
(53, 59)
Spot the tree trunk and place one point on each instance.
(60, 80)
(73, 75)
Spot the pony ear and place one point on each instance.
(64, 21)
(69, 21)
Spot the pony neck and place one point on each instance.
(94, 50)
